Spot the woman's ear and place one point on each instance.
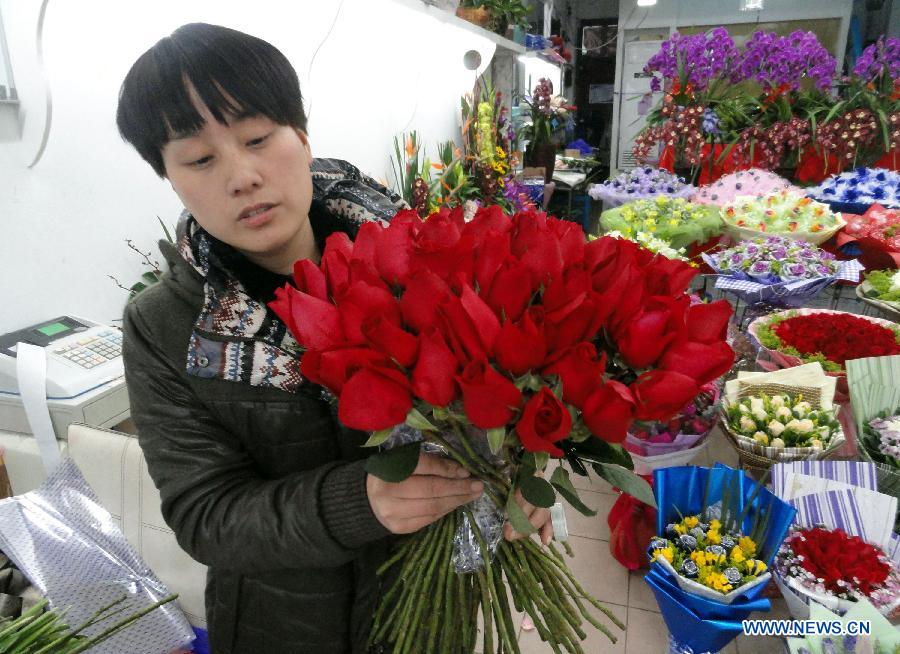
(304, 138)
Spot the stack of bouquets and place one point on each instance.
(785, 415)
(504, 341)
(784, 213)
(843, 547)
(674, 220)
(678, 440)
(753, 182)
(639, 184)
(857, 190)
(797, 336)
(778, 270)
(739, 528)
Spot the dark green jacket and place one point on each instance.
(260, 484)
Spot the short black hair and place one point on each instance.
(154, 104)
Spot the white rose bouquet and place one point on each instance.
(782, 421)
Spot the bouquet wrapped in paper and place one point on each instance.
(784, 213)
(832, 338)
(784, 415)
(650, 242)
(753, 182)
(500, 342)
(873, 236)
(855, 191)
(875, 397)
(678, 440)
(674, 220)
(778, 270)
(717, 532)
(881, 289)
(643, 183)
(843, 547)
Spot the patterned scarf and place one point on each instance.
(238, 338)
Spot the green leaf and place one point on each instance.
(379, 437)
(137, 287)
(541, 459)
(517, 517)
(600, 451)
(150, 278)
(561, 482)
(627, 481)
(417, 421)
(495, 438)
(440, 413)
(396, 464)
(538, 492)
(165, 230)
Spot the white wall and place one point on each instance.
(386, 66)
(723, 12)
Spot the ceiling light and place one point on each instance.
(752, 5)
(646, 3)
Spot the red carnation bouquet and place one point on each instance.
(502, 342)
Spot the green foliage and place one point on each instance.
(396, 464)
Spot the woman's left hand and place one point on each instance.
(538, 517)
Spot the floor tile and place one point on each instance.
(639, 594)
(597, 571)
(647, 633)
(590, 526)
(596, 642)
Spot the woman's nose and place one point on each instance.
(243, 175)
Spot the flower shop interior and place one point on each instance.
(664, 239)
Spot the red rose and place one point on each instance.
(708, 323)
(361, 301)
(389, 338)
(668, 276)
(537, 247)
(577, 321)
(643, 339)
(336, 263)
(393, 257)
(571, 241)
(438, 247)
(483, 318)
(374, 399)
(580, 369)
(567, 287)
(545, 420)
(489, 399)
(310, 279)
(510, 290)
(487, 218)
(609, 411)
(433, 378)
(421, 299)
(460, 331)
(522, 346)
(492, 253)
(316, 324)
(700, 361)
(333, 368)
(661, 394)
(366, 244)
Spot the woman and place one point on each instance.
(258, 479)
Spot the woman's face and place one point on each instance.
(248, 184)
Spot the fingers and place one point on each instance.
(547, 532)
(430, 464)
(539, 518)
(428, 486)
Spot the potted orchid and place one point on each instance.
(549, 114)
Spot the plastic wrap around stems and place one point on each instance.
(69, 546)
(680, 648)
(489, 518)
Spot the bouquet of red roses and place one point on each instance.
(503, 341)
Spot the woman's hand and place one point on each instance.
(436, 487)
(539, 518)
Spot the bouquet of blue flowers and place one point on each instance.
(778, 270)
(855, 191)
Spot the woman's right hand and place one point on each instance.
(436, 487)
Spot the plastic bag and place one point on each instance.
(69, 546)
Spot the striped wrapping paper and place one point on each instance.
(850, 472)
(855, 515)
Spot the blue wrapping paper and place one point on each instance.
(690, 629)
(702, 624)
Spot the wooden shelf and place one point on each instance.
(451, 18)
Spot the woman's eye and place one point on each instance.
(202, 161)
(258, 141)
